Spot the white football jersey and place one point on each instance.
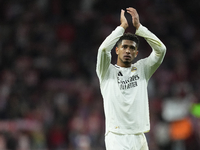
(124, 90)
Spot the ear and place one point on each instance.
(136, 53)
(117, 50)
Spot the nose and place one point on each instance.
(128, 50)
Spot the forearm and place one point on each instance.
(157, 55)
(104, 52)
(155, 43)
(111, 40)
(124, 25)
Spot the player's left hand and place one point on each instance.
(135, 17)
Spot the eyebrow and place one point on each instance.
(131, 46)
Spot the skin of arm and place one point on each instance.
(135, 17)
(123, 20)
(157, 46)
(104, 56)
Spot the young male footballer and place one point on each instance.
(124, 85)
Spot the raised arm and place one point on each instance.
(104, 51)
(153, 41)
(159, 49)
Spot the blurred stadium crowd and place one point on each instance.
(49, 92)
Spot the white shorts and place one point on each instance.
(126, 141)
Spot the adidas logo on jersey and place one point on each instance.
(120, 74)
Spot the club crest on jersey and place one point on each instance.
(133, 69)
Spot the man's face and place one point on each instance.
(126, 52)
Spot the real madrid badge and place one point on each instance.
(133, 69)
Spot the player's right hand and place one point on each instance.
(123, 20)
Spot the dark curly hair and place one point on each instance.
(128, 36)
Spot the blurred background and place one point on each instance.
(49, 92)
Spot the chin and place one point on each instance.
(127, 62)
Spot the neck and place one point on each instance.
(125, 65)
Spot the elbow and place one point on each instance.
(160, 51)
(163, 49)
(102, 48)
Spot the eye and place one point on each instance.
(132, 47)
(124, 46)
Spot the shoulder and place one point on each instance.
(111, 69)
(140, 62)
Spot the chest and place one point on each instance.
(128, 78)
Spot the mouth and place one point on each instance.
(127, 57)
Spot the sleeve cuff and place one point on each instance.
(121, 28)
(139, 29)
